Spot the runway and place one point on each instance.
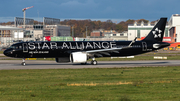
(38, 64)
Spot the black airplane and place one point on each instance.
(81, 51)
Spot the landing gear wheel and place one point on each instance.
(23, 63)
(94, 62)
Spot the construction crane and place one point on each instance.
(24, 10)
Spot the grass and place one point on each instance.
(112, 84)
(1, 52)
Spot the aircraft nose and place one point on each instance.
(7, 52)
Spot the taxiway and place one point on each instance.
(38, 64)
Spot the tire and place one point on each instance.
(23, 63)
(94, 62)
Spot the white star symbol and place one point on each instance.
(160, 31)
(155, 36)
(156, 29)
(157, 33)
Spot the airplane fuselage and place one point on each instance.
(55, 49)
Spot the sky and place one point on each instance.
(115, 10)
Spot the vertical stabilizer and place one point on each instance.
(157, 33)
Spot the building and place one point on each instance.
(174, 27)
(142, 30)
(115, 35)
(97, 33)
(108, 35)
(30, 32)
(50, 27)
(39, 31)
(9, 34)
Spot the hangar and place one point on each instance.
(171, 34)
(142, 29)
(174, 27)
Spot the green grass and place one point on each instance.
(143, 84)
(1, 52)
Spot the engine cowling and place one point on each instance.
(62, 59)
(78, 57)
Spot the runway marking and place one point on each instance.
(7, 64)
(123, 83)
(98, 84)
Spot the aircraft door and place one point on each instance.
(25, 47)
(144, 46)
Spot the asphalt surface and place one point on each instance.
(38, 64)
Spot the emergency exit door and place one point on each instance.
(25, 47)
(144, 46)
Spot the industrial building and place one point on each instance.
(142, 29)
(38, 31)
(109, 35)
(97, 33)
(174, 28)
(31, 32)
(9, 35)
(171, 34)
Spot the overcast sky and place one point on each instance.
(115, 10)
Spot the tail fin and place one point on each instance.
(157, 33)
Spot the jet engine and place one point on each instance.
(78, 57)
(62, 59)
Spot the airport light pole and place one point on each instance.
(86, 31)
(72, 30)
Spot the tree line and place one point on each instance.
(79, 26)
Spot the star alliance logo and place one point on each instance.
(157, 33)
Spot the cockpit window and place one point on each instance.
(16, 47)
(13, 47)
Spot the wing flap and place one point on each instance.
(104, 50)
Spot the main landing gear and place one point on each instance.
(23, 63)
(93, 62)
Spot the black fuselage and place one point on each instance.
(55, 49)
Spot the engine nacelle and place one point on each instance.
(78, 57)
(62, 59)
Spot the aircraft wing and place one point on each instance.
(102, 52)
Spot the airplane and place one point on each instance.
(81, 51)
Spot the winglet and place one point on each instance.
(157, 33)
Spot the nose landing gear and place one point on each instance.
(23, 63)
(93, 62)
